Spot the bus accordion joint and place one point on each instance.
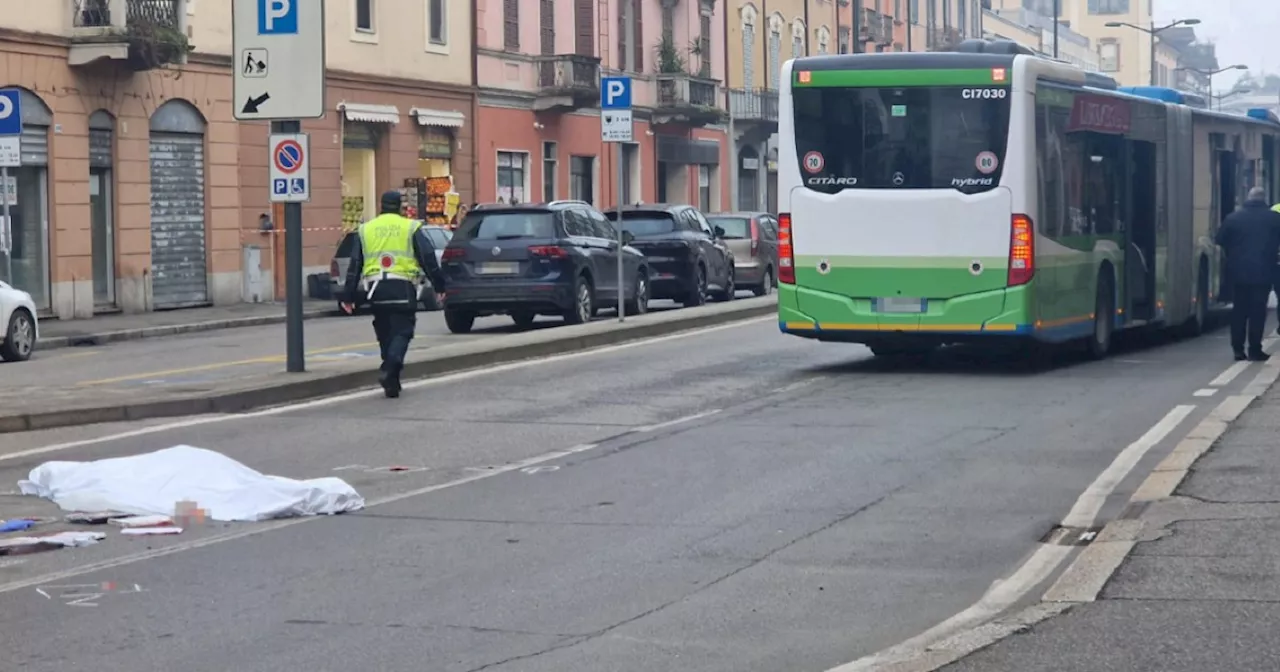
(786, 253)
(1022, 250)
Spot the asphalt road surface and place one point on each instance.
(727, 500)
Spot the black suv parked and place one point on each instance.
(688, 258)
(558, 258)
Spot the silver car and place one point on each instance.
(439, 237)
(753, 239)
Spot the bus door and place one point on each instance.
(1141, 232)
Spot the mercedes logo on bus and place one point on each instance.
(898, 179)
(496, 250)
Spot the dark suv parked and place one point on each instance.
(558, 258)
(688, 258)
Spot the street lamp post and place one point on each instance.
(1153, 32)
(1208, 74)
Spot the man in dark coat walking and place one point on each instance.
(1250, 237)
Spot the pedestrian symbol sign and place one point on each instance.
(290, 168)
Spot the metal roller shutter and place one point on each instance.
(99, 148)
(35, 145)
(179, 264)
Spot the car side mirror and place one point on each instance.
(628, 237)
(719, 231)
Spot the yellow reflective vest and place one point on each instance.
(387, 243)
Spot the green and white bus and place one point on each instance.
(936, 198)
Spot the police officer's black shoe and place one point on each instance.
(390, 384)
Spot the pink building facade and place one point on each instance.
(538, 68)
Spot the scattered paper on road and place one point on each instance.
(152, 484)
(142, 521)
(63, 539)
(169, 529)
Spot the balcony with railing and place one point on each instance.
(145, 34)
(567, 82)
(754, 106)
(687, 99)
(876, 27)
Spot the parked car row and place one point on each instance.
(561, 258)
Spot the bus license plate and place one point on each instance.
(898, 304)
(497, 268)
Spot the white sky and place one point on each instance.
(1245, 31)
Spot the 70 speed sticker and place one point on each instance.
(813, 162)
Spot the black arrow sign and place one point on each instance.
(251, 105)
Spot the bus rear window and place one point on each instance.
(945, 137)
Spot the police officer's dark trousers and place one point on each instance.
(394, 305)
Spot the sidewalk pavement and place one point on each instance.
(126, 327)
(31, 407)
(1200, 591)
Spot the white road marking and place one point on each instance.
(1086, 509)
(1230, 374)
(1205, 392)
(677, 421)
(263, 528)
(351, 396)
(1046, 559)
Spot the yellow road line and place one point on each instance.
(220, 365)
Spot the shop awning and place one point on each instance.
(444, 118)
(376, 114)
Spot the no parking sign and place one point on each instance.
(290, 168)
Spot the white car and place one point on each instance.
(19, 327)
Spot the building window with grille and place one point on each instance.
(512, 173)
(775, 58)
(704, 46)
(824, 39)
(1108, 6)
(748, 56)
(582, 178)
(842, 39)
(511, 25)
(1109, 56)
(548, 171)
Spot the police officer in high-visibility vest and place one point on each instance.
(389, 259)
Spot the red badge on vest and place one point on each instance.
(386, 261)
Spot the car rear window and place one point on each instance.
(734, 227)
(344, 247)
(439, 238)
(507, 225)
(642, 224)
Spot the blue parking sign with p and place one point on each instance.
(615, 93)
(277, 17)
(10, 112)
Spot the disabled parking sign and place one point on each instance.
(290, 167)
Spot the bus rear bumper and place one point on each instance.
(830, 317)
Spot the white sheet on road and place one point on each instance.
(153, 483)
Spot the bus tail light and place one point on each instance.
(786, 254)
(1022, 250)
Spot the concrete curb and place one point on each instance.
(286, 391)
(102, 338)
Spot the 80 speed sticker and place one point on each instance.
(813, 162)
(986, 163)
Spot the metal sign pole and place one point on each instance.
(622, 308)
(295, 352)
(6, 229)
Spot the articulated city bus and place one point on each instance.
(935, 198)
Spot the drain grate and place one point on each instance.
(1070, 536)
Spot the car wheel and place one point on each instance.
(19, 337)
(766, 284)
(730, 291)
(639, 304)
(584, 302)
(459, 321)
(698, 294)
(523, 318)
